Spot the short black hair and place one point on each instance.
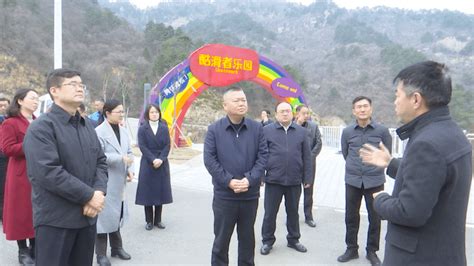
(82, 107)
(3, 99)
(360, 98)
(299, 107)
(147, 111)
(56, 77)
(110, 105)
(267, 111)
(14, 108)
(430, 79)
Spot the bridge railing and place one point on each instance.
(331, 136)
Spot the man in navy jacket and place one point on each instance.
(235, 154)
(426, 212)
(289, 166)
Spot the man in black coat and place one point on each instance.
(235, 154)
(288, 167)
(314, 136)
(68, 173)
(426, 212)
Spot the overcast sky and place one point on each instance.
(466, 6)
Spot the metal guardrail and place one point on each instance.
(331, 136)
(470, 137)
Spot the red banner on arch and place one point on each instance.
(221, 65)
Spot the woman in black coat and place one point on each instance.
(154, 186)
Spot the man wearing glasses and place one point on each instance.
(288, 166)
(68, 174)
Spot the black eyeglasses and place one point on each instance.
(76, 85)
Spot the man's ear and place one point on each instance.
(418, 100)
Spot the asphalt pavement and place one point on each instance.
(187, 239)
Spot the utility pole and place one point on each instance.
(58, 34)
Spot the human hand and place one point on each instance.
(157, 163)
(89, 211)
(97, 201)
(379, 157)
(130, 177)
(377, 193)
(239, 186)
(307, 185)
(128, 160)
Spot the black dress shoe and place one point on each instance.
(160, 225)
(298, 246)
(149, 226)
(265, 249)
(24, 257)
(350, 254)
(372, 257)
(32, 252)
(121, 253)
(102, 260)
(311, 223)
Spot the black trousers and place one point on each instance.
(353, 201)
(3, 175)
(308, 195)
(61, 246)
(273, 196)
(228, 213)
(149, 214)
(101, 242)
(308, 202)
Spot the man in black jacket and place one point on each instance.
(235, 154)
(426, 212)
(288, 167)
(68, 174)
(314, 136)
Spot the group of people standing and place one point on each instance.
(282, 155)
(65, 180)
(426, 212)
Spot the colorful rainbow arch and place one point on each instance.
(181, 81)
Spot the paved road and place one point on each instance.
(188, 237)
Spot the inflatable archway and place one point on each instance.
(217, 65)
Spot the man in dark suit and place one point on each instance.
(288, 168)
(68, 173)
(265, 116)
(235, 154)
(426, 212)
(303, 116)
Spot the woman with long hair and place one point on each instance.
(154, 186)
(17, 210)
(116, 145)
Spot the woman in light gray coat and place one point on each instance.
(116, 145)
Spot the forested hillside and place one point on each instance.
(334, 53)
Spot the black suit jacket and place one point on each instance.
(426, 213)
